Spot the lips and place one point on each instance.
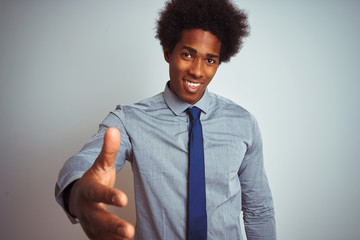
(192, 84)
(191, 87)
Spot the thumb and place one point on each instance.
(109, 149)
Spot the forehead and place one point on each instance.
(200, 40)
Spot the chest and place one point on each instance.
(160, 145)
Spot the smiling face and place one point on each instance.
(193, 63)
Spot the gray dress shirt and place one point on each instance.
(154, 138)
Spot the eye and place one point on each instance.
(211, 61)
(186, 55)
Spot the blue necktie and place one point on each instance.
(197, 224)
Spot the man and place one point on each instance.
(196, 36)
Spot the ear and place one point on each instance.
(166, 54)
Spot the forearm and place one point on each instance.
(260, 224)
(72, 170)
(258, 211)
(78, 164)
(257, 202)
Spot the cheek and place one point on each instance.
(211, 74)
(176, 72)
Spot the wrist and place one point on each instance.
(66, 197)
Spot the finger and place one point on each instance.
(97, 192)
(109, 150)
(108, 226)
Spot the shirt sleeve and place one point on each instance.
(257, 203)
(78, 164)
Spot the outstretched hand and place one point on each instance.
(91, 193)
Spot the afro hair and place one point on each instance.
(220, 17)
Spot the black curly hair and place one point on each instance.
(220, 17)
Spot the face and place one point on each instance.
(193, 64)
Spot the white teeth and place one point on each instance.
(192, 84)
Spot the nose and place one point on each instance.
(196, 69)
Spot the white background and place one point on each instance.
(65, 64)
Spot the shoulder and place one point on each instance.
(232, 119)
(143, 105)
(227, 107)
(146, 107)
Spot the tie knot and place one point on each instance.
(194, 113)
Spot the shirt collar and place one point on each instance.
(177, 106)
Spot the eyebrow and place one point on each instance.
(192, 50)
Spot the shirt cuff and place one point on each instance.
(59, 195)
